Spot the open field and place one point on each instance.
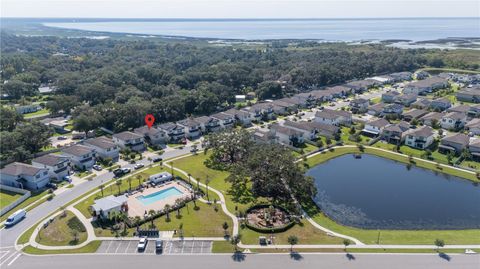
(40, 112)
(62, 231)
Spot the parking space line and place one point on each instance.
(170, 250)
(126, 249)
(193, 246)
(109, 244)
(118, 246)
(201, 247)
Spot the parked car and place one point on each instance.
(157, 159)
(62, 137)
(68, 178)
(51, 186)
(15, 217)
(126, 170)
(142, 244)
(159, 246)
(118, 172)
(139, 165)
(97, 167)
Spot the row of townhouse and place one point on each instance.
(428, 85)
(471, 95)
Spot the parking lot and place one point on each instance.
(169, 247)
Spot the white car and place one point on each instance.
(126, 170)
(142, 244)
(97, 167)
(138, 165)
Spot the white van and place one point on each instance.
(15, 217)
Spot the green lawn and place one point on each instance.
(40, 112)
(8, 197)
(223, 247)
(470, 164)
(35, 197)
(61, 231)
(306, 233)
(89, 248)
(205, 222)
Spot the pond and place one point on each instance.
(377, 193)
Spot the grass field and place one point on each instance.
(8, 197)
(35, 197)
(89, 248)
(40, 112)
(306, 233)
(61, 232)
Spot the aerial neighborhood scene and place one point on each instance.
(171, 139)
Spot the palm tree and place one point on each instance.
(235, 240)
(292, 240)
(129, 179)
(118, 183)
(151, 213)
(139, 178)
(346, 243)
(167, 212)
(190, 179)
(225, 228)
(206, 184)
(178, 203)
(101, 188)
(171, 168)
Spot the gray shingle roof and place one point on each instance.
(101, 142)
(18, 169)
(77, 150)
(457, 138)
(49, 159)
(127, 135)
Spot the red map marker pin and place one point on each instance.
(149, 120)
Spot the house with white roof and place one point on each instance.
(105, 206)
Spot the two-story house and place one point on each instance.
(241, 116)
(191, 127)
(58, 166)
(359, 105)
(333, 117)
(393, 110)
(473, 126)
(406, 99)
(454, 143)
(104, 148)
(432, 118)
(376, 109)
(420, 138)
(440, 104)
(414, 114)
(24, 176)
(471, 95)
(474, 148)
(127, 139)
(374, 127)
(153, 135)
(287, 136)
(226, 120)
(175, 132)
(453, 121)
(208, 124)
(394, 133)
(425, 86)
(390, 96)
(82, 157)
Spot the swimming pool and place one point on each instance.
(159, 195)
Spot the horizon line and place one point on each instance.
(258, 18)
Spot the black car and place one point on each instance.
(157, 159)
(51, 186)
(159, 246)
(118, 172)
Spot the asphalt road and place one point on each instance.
(8, 236)
(265, 261)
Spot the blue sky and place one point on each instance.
(239, 8)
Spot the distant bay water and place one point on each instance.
(415, 29)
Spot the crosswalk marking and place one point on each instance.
(16, 257)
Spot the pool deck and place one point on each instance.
(137, 208)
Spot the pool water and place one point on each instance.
(159, 195)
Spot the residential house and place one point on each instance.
(127, 139)
(295, 102)
(104, 207)
(460, 108)
(406, 99)
(401, 76)
(58, 166)
(24, 176)
(333, 117)
(392, 110)
(104, 148)
(474, 111)
(375, 127)
(339, 91)
(453, 121)
(240, 98)
(288, 107)
(175, 132)
(394, 133)
(390, 96)
(27, 108)
(420, 75)
(376, 109)
(265, 137)
(454, 143)
(440, 104)
(287, 136)
(473, 126)
(209, 124)
(414, 114)
(191, 127)
(432, 118)
(312, 129)
(152, 135)
(241, 116)
(471, 95)
(474, 148)
(425, 86)
(226, 120)
(82, 157)
(360, 86)
(359, 105)
(420, 138)
(422, 103)
(307, 98)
